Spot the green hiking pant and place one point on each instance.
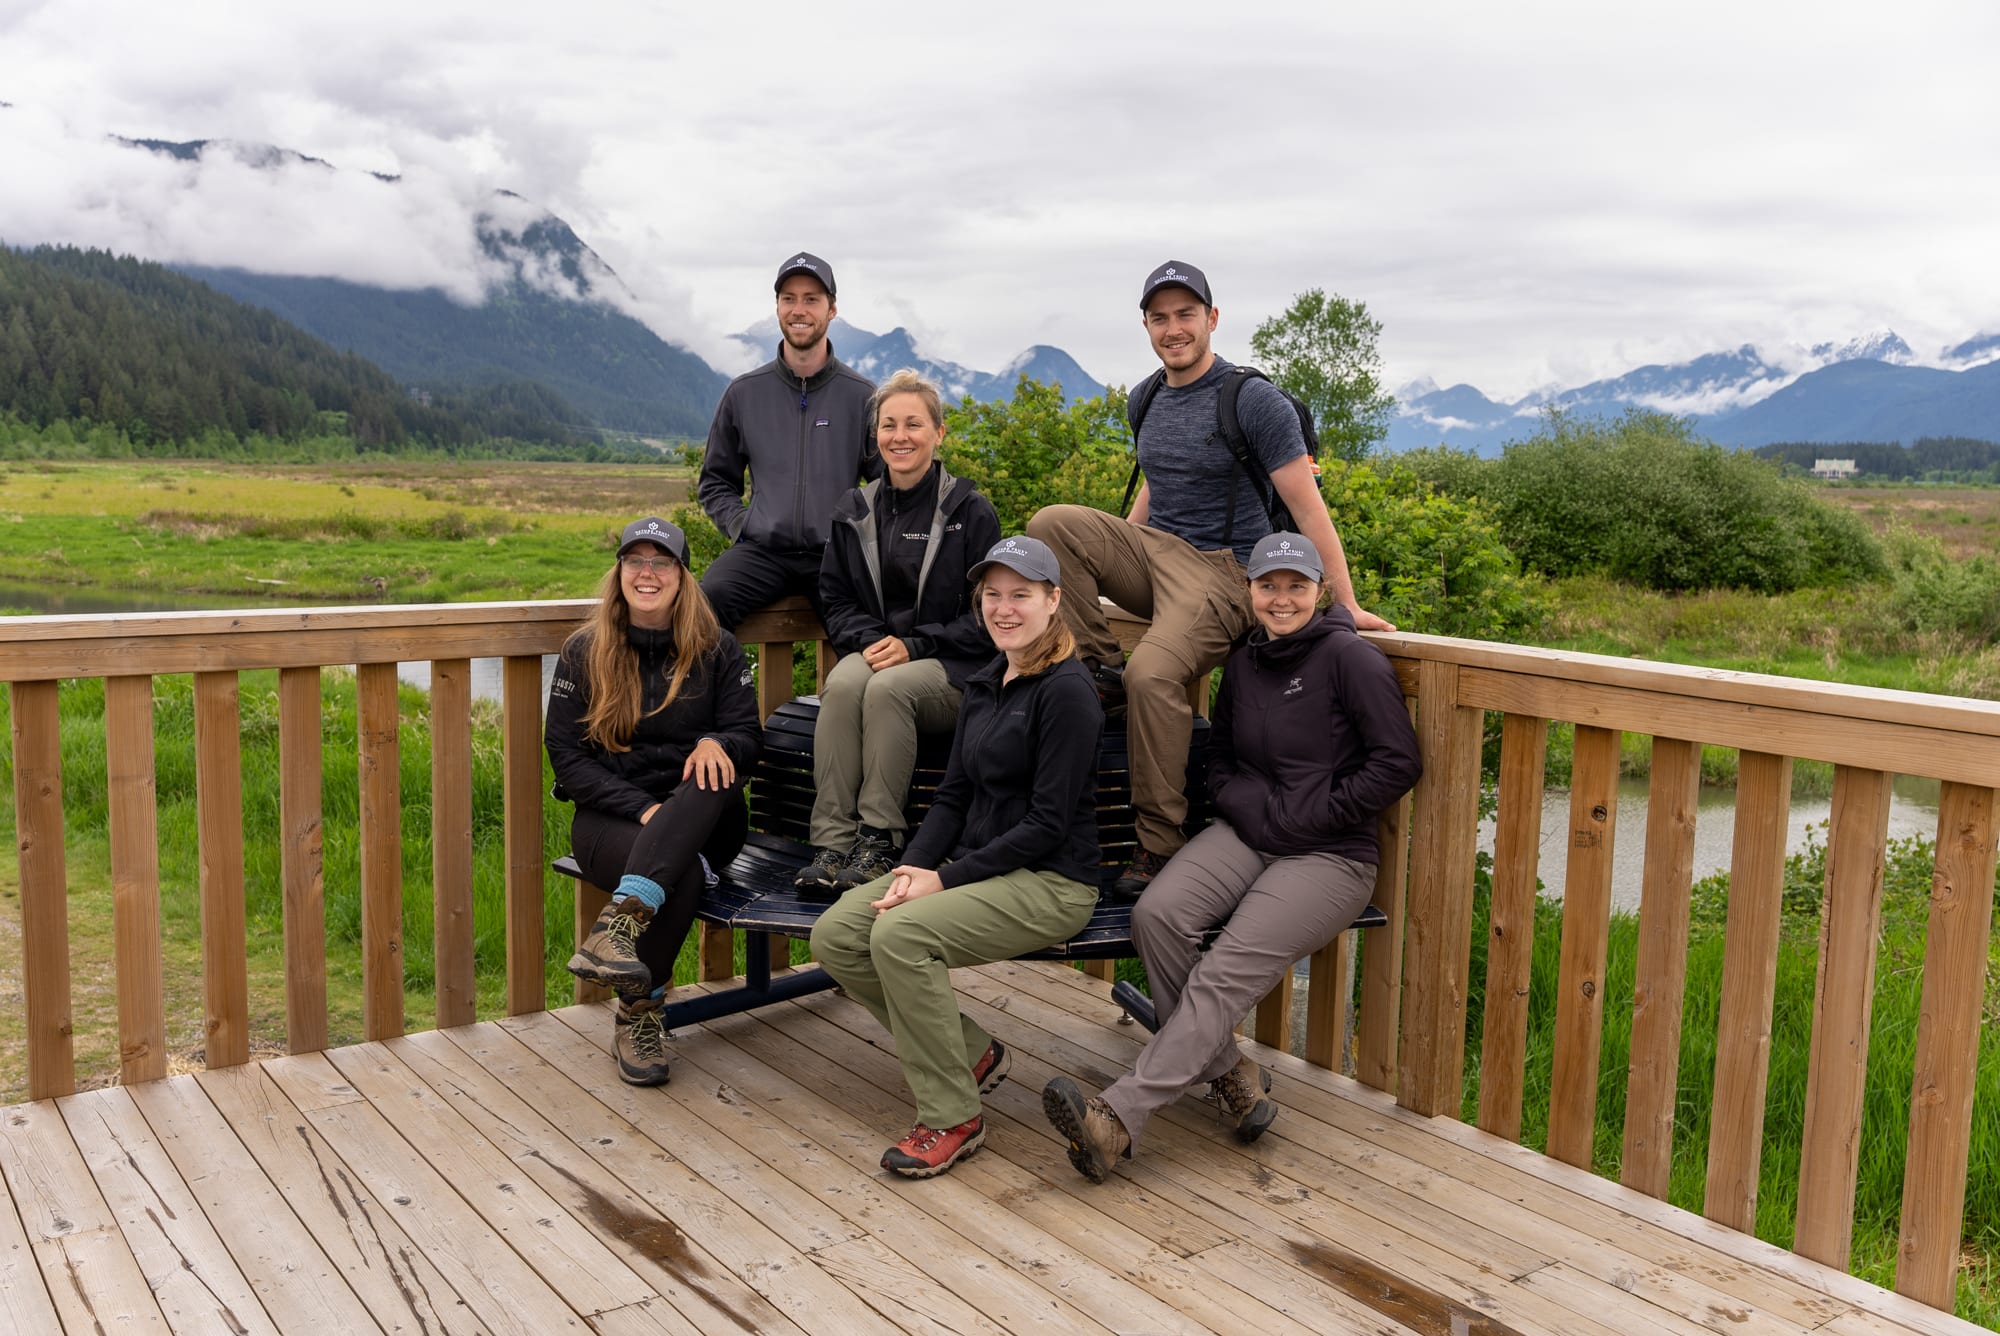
(898, 964)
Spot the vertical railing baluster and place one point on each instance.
(133, 811)
(381, 853)
(218, 783)
(38, 843)
(521, 763)
(1510, 944)
(301, 856)
(451, 842)
(1586, 936)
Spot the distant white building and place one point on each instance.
(1834, 468)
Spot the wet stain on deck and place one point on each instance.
(1424, 1311)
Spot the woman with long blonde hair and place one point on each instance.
(652, 726)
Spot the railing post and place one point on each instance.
(1510, 936)
(521, 764)
(381, 853)
(1955, 952)
(451, 841)
(218, 749)
(38, 842)
(1375, 1032)
(133, 813)
(301, 856)
(1444, 826)
(1586, 934)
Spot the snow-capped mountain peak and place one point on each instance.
(1881, 345)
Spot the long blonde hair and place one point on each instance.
(611, 665)
(1049, 648)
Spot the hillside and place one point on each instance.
(90, 337)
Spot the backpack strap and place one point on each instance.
(1136, 405)
(1230, 428)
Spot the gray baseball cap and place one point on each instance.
(662, 533)
(1285, 552)
(805, 262)
(1026, 557)
(1176, 274)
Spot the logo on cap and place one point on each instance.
(1169, 272)
(803, 263)
(1012, 547)
(652, 526)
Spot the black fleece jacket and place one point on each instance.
(804, 443)
(1311, 740)
(1020, 790)
(962, 527)
(717, 701)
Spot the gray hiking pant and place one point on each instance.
(865, 744)
(1273, 911)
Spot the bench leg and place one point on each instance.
(590, 902)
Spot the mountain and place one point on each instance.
(551, 316)
(1871, 401)
(86, 336)
(1978, 349)
(879, 356)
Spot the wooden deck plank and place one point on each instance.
(89, 1270)
(867, 1266)
(1296, 1293)
(951, 1258)
(300, 1288)
(873, 1091)
(502, 1289)
(1333, 1100)
(648, 1210)
(387, 1272)
(195, 1280)
(24, 1298)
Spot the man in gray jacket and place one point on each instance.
(799, 426)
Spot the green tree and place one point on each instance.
(1034, 450)
(1322, 349)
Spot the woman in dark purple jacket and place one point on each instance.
(1311, 742)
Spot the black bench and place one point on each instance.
(755, 893)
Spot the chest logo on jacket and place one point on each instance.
(1294, 687)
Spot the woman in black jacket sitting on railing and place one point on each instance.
(652, 725)
(898, 609)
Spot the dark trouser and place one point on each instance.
(691, 821)
(1272, 911)
(748, 575)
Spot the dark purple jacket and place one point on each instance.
(1311, 741)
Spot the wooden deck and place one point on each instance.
(498, 1177)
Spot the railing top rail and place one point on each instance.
(262, 621)
(1955, 713)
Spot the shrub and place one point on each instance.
(1033, 450)
(1935, 593)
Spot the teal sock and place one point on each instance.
(643, 889)
(659, 992)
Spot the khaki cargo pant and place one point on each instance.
(865, 744)
(1199, 603)
(898, 964)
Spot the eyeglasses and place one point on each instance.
(643, 565)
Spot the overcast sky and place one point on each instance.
(1522, 193)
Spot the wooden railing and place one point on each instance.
(1405, 1006)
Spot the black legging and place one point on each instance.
(690, 821)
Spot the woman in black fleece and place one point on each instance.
(652, 725)
(1311, 742)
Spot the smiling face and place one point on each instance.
(1179, 326)
(649, 578)
(1016, 610)
(1283, 600)
(907, 437)
(804, 311)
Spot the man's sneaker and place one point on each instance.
(609, 956)
(1097, 1139)
(991, 1069)
(641, 1042)
(822, 875)
(1110, 683)
(1137, 875)
(872, 856)
(927, 1152)
(1243, 1092)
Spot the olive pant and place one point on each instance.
(1199, 603)
(1273, 911)
(898, 963)
(865, 744)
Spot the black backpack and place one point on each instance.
(1231, 431)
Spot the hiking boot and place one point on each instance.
(1097, 1140)
(927, 1152)
(1243, 1093)
(991, 1069)
(873, 855)
(1138, 874)
(609, 956)
(822, 875)
(640, 1041)
(1110, 683)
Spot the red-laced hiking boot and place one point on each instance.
(927, 1152)
(991, 1069)
(610, 954)
(1243, 1092)
(1097, 1140)
(1138, 874)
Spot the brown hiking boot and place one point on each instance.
(641, 1041)
(1097, 1140)
(609, 956)
(1243, 1092)
(1138, 874)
